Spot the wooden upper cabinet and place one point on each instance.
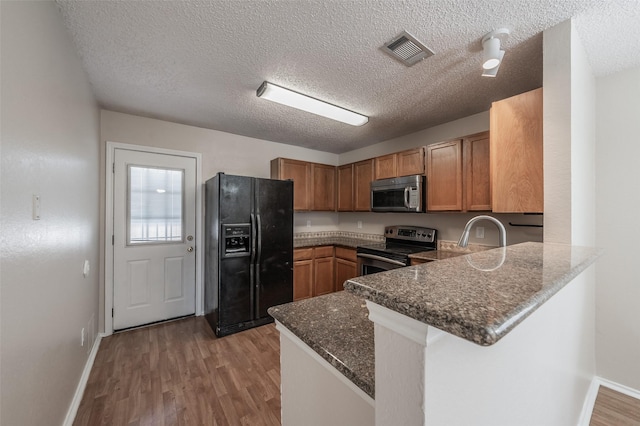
(300, 173)
(324, 187)
(403, 163)
(314, 185)
(345, 188)
(444, 176)
(386, 166)
(516, 154)
(411, 162)
(363, 174)
(476, 174)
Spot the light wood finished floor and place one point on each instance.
(614, 408)
(179, 373)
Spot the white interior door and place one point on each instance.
(154, 262)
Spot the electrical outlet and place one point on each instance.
(359, 224)
(480, 232)
(308, 224)
(82, 337)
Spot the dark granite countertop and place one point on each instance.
(336, 326)
(480, 296)
(435, 255)
(330, 241)
(334, 238)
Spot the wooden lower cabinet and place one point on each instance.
(313, 272)
(419, 261)
(302, 273)
(322, 270)
(346, 266)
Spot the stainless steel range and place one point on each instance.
(401, 241)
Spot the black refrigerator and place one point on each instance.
(249, 250)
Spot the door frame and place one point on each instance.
(108, 229)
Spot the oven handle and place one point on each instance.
(406, 197)
(382, 259)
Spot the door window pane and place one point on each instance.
(155, 205)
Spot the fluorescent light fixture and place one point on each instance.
(160, 191)
(297, 100)
(491, 53)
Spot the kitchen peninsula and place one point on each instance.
(484, 338)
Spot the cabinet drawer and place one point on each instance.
(325, 251)
(346, 253)
(303, 254)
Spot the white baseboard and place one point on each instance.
(77, 397)
(592, 393)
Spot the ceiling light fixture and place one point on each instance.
(491, 53)
(297, 100)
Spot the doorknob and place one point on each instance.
(189, 249)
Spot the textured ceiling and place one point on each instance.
(200, 62)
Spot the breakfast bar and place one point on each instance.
(470, 331)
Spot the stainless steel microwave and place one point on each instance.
(403, 194)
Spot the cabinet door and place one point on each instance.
(444, 176)
(323, 275)
(386, 166)
(476, 182)
(516, 154)
(411, 162)
(324, 187)
(300, 173)
(302, 279)
(362, 177)
(345, 188)
(346, 266)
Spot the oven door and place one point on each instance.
(371, 264)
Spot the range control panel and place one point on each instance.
(410, 233)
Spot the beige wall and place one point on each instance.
(50, 136)
(618, 233)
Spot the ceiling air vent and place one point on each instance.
(405, 48)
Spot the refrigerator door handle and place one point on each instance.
(253, 267)
(259, 245)
(253, 239)
(257, 265)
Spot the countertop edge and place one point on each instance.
(484, 335)
(318, 348)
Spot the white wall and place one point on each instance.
(618, 204)
(50, 140)
(221, 152)
(569, 167)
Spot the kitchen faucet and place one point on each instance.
(464, 238)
